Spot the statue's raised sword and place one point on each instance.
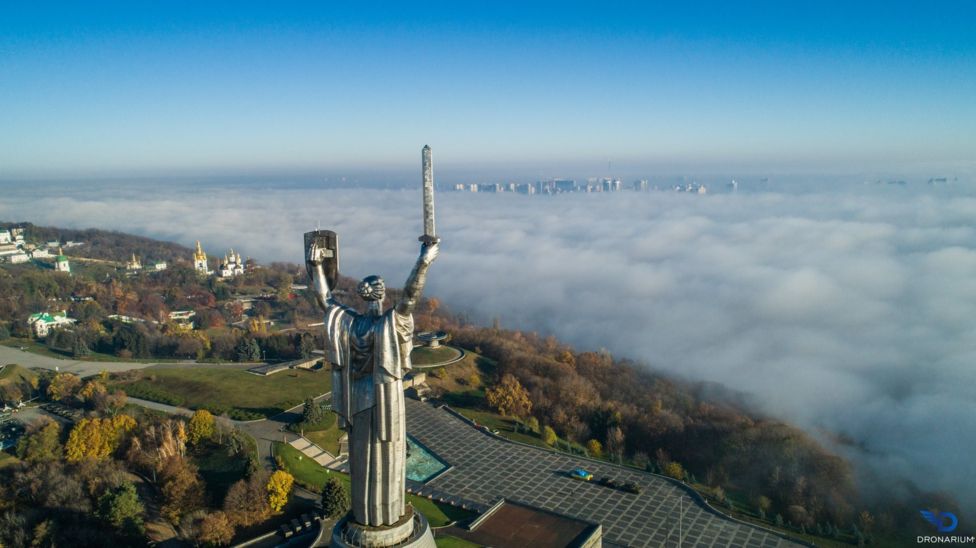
(429, 236)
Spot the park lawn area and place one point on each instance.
(447, 541)
(37, 347)
(312, 476)
(425, 355)
(505, 426)
(223, 388)
(16, 374)
(326, 434)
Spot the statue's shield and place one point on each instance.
(328, 242)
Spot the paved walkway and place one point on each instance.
(80, 368)
(487, 469)
(313, 451)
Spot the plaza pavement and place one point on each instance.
(486, 468)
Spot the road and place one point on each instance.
(80, 368)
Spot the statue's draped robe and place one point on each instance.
(370, 355)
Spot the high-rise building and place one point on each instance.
(564, 185)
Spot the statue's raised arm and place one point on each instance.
(414, 286)
(322, 264)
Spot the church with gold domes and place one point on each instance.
(200, 261)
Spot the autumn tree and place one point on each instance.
(201, 426)
(182, 488)
(615, 441)
(246, 502)
(279, 486)
(594, 449)
(335, 500)
(91, 391)
(549, 435)
(509, 397)
(111, 403)
(63, 386)
(216, 529)
(41, 444)
(97, 438)
(674, 470)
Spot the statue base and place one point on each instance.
(412, 531)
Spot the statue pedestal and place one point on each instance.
(412, 531)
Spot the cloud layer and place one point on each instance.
(847, 310)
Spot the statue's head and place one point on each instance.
(372, 290)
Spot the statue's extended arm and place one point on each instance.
(320, 284)
(414, 286)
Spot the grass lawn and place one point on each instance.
(223, 388)
(37, 347)
(312, 476)
(16, 374)
(326, 434)
(505, 426)
(425, 355)
(447, 541)
(307, 472)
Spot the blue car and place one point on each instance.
(580, 474)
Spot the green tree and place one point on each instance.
(121, 507)
(43, 444)
(311, 412)
(306, 346)
(248, 350)
(335, 500)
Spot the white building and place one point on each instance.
(133, 265)
(5, 237)
(42, 323)
(232, 265)
(8, 249)
(161, 265)
(61, 262)
(40, 253)
(18, 258)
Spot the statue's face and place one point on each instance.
(372, 288)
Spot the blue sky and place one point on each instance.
(97, 89)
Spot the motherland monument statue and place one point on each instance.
(370, 354)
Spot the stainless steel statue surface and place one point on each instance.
(370, 353)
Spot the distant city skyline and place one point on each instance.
(540, 90)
